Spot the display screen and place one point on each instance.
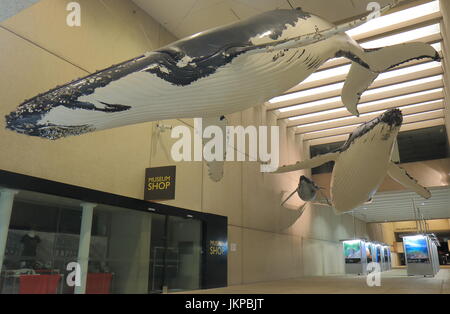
(369, 252)
(352, 252)
(416, 249)
(373, 252)
(378, 254)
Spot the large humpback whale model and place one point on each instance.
(217, 72)
(361, 165)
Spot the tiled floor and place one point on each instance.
(392, 282)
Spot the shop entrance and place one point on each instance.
(117, 244)
(130, 251)
(175, 254)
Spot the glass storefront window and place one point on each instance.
(124, 239)
(130, 251)
(43, 238)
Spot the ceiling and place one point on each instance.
(398, 206)
(188, 17)
(314, 108)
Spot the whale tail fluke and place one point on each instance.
(369, 63)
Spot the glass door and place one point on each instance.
(176, 246)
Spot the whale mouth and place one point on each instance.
(392, 117)
(28, 125)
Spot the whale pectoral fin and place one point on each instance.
(309, 163)
(395, 156)
(216, 167)
(401, 176)
(288, 197)
(383, 59)
(358, 80)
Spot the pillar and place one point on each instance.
(6, 205)
(85, 242)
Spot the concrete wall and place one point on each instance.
(38, 51)
(271, 241)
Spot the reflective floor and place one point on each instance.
(392, 282)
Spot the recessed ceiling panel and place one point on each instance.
(398, 206)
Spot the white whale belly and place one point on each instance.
(247, 81)
(358, 173)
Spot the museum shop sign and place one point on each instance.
(160, 183)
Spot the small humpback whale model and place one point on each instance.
(211, 74)
(361, 165)
(308, 192)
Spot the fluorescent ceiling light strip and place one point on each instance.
(362, 105)
(397, 18)
(351, 126)
(326, 112)
(366, 114)
(403, 37)
(408, 70)
(334, 129)
(311, 104)
(402, 85)
(371, 103)
(378, 112)
(308, 92)
(328, 73)
(421, 113)
(390, 74)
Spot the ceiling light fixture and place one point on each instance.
(309, 92)
(387, 75)
(403, 85)
(409, 70)
(403, 37)
(396, 18)
(378, 112)
(363, 105)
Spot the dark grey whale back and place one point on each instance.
(216, 48)
(210, 42)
